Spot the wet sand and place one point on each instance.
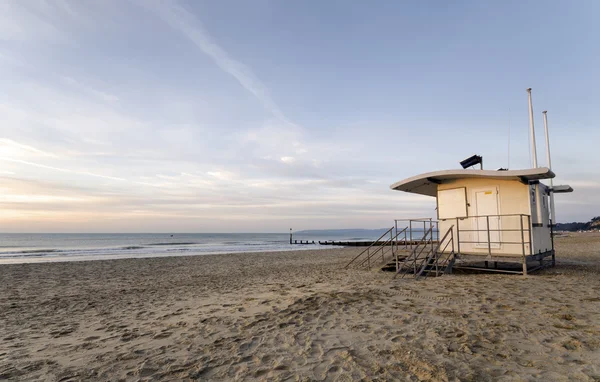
(298, 316)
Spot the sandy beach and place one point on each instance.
(299, 316)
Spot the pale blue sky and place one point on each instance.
(213, 116)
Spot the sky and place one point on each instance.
(258, 116)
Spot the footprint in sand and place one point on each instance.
(162, 335)
(62, 332)
(260, 372)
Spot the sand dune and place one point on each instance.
(298, 316)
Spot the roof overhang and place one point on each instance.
(562, 189)
(426, 184)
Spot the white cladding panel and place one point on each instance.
(452, 203)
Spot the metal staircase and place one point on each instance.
(376, 253)
(396, 251)
(428, 258)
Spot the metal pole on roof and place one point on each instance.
(532, 130)
(549, 166)
(538, 205)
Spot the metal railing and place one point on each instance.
(491, 236)
(485, 234)
(385, 248)
(420, 262)
(415, 254)
(494, 236)
(433, 262)
(413, 227)
(378, 247)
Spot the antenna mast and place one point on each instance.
(549, 166)
(532, 131)
(508, 165)
(537, 217)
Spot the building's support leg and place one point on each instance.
(552, 232)
(524, 267)
(495, 264)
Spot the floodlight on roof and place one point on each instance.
(472, 161)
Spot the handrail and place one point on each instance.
(446, 259)
(402, 230)
(444, 238)
(372, 244)
(423, 259)
(434, 252)
(476, 238)
(412, 228)
(413, 253)
(482, 216)
(405, 245)
(382, 247)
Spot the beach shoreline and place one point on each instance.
(41, 248)
(126, 256)
(298, 314)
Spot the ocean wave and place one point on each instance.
(38, 255)
(33, 251)
(176, 243)
(30, 253)
(65, 252)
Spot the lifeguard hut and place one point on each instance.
(490, 216)
(488, 220)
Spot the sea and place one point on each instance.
(36, 248)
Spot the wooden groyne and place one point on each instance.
(367, 243)
(303, 242)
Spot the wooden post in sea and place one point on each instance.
(290, 236)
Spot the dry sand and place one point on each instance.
(298, 316)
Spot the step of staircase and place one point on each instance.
(391, 265)
(433, 273)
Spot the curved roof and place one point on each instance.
(426, 184)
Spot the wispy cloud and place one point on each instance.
(22, 21)
(105, 96)
(12, 143)
(188, 24)
(65, 170)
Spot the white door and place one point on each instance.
(486, 210)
